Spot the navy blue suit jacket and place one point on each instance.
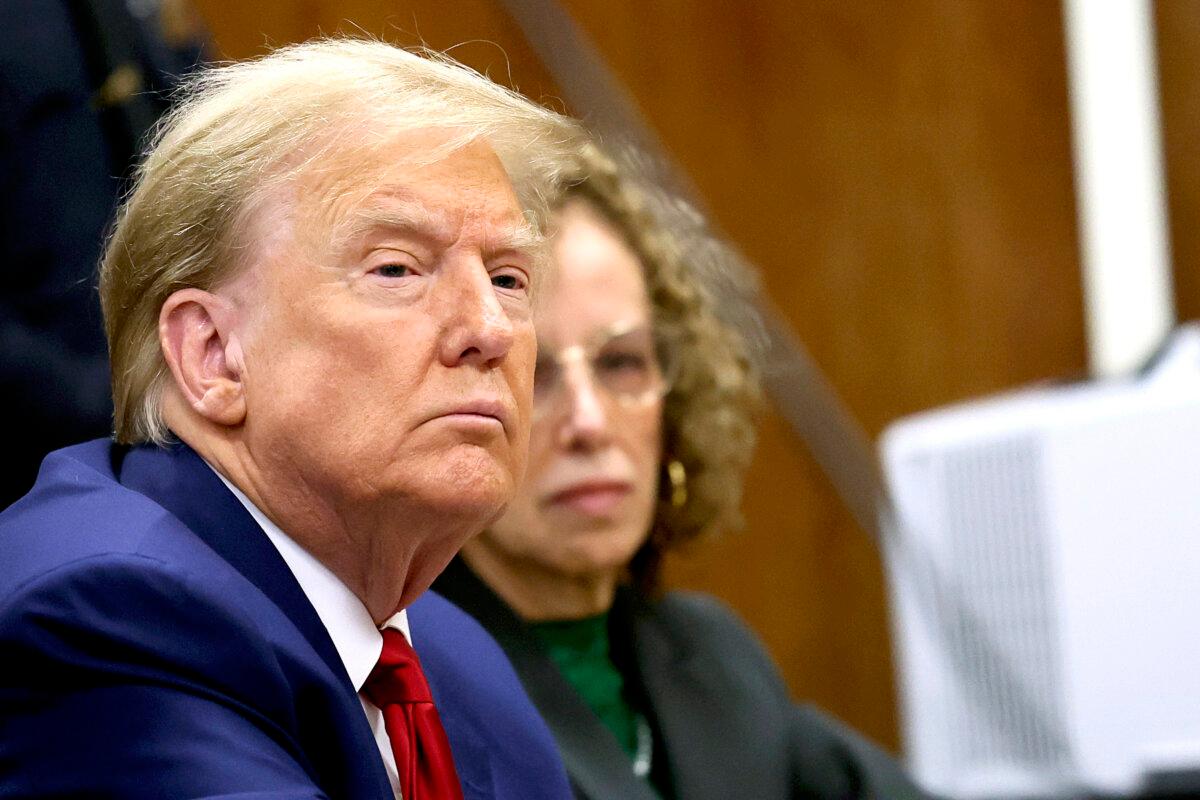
(155, 644)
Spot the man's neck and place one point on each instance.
(287, 507)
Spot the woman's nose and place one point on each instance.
(587, 417)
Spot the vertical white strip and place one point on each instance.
(1119, 181)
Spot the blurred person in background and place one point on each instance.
(82, 82)
(642, 432)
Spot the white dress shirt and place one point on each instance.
(358, 642)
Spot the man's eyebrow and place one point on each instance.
(519, 239)
(415, 218)
(409, 217)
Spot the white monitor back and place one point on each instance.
(1045, 570)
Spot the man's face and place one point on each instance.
(389, 345)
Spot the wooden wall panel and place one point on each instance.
(901, 173)
(1178, 27)
(480, 32)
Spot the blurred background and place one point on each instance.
(901, 175)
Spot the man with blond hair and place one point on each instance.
(318, 305)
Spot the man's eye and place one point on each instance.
(508, 281)
(392, 271)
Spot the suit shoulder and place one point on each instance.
(126, 620)
(86, 560)
(103, 613)
(825, 757)
(79, 518)
(708, 622)
(160, 679)
(698, 607)
(76, 510)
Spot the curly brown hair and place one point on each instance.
(708, 414)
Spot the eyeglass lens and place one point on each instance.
(626, 366)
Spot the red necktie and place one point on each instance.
(397, 686)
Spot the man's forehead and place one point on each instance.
(392, 211)
(413, 178)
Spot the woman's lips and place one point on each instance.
(592, 498)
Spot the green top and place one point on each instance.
(580, 648)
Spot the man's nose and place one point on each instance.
(477, 327)
(587, 419)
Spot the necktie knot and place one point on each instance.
(397, 686)
(397, 678)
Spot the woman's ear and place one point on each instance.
(198, 335)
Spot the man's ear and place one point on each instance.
(196, 330)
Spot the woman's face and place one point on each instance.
(588, 497)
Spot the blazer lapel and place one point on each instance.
(595, 762)
(472, 761)
(683, 698)
(178, 479)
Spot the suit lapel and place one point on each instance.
(678, 684)
(593, 757)
(595, 762)
(178, 480)
(472, 761)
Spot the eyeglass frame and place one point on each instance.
(586, 353)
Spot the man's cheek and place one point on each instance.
(521, 374)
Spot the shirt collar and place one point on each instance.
(357, 641)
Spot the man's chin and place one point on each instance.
(482, 508)
(467, 485)
(482, 499)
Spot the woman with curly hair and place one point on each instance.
(642, 431)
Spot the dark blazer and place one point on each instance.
(155, 644)
(725, 726)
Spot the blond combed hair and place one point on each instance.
(241, 131)
(709, 412)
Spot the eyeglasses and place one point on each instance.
(626, 363)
